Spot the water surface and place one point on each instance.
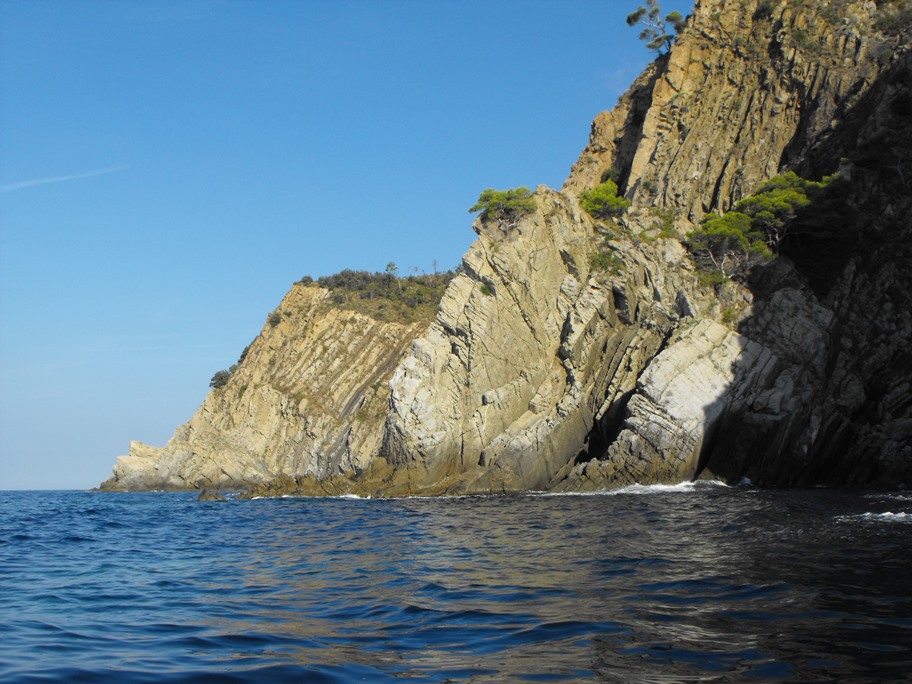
(683, 584)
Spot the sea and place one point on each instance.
(696, 582)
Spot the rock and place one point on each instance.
(541, 371)
(211, 495)
(309, 398)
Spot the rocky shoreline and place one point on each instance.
(545, 370)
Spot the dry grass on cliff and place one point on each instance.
(385, 297)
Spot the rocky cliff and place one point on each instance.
(573, 354)
(308, 398)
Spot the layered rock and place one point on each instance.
(543, 371)
(308, 399)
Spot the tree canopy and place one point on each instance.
(602, 201)
(655, 31)
(504, 206)
(752, 232)
(728, 245)
(776, 204)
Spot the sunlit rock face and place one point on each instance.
(572, 354)
(308, 399)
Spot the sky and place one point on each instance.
(169, 168)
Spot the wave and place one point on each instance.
(879, 517)
(687, 486)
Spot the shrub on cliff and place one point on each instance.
(728, 245)
(387, 296)
(894, 17)
(221, 378)
(753, 232)
(602, 201)
(504, 206)
(775, 205)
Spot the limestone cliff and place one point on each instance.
(308, 398)
(545, 369)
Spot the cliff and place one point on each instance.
(572, 354)
(308, 398)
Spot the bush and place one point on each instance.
(895, 19)
(606, 260)
(383, 295)
(773, 208)
(221, 378)
(504, 206)
(728, 245)
(764, 10)
(787, 215)
(274, 319)
(603, 201)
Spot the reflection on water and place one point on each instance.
(694, 584)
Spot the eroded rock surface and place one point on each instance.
(541, 371)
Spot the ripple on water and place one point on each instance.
(694, 582)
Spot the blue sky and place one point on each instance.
(169, 169)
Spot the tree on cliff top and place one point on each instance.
(655, 30)
(504, 206)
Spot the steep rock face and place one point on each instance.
(529, 347)
(308, 399)
(542, 371)
(742, 94)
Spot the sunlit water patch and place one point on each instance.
(692, 582)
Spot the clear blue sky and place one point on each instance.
(169, 169)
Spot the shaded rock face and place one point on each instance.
(541, 371)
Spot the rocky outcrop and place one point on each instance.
(532, 348)
(549, 368)
(308, 398)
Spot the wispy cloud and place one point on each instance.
(8, 187)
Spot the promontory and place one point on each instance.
(721, 288)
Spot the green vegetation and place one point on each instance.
(611, 174)
(655, 29)
(605, 259)
(486, 290)
(602, 201)
(385, 296)
(729, 315)
(274, 319)
(728, 245)
(665, 221)
(504, 206)
(776, 204)
(221, 378)
(752, 233)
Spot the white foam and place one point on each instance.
(893, 496)
(687, 486)
(879, 517)
(889, 517)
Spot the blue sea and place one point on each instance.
(688, 583)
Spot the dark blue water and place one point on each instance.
(691, 584)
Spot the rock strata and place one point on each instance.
(572, 354)
(309, 398)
